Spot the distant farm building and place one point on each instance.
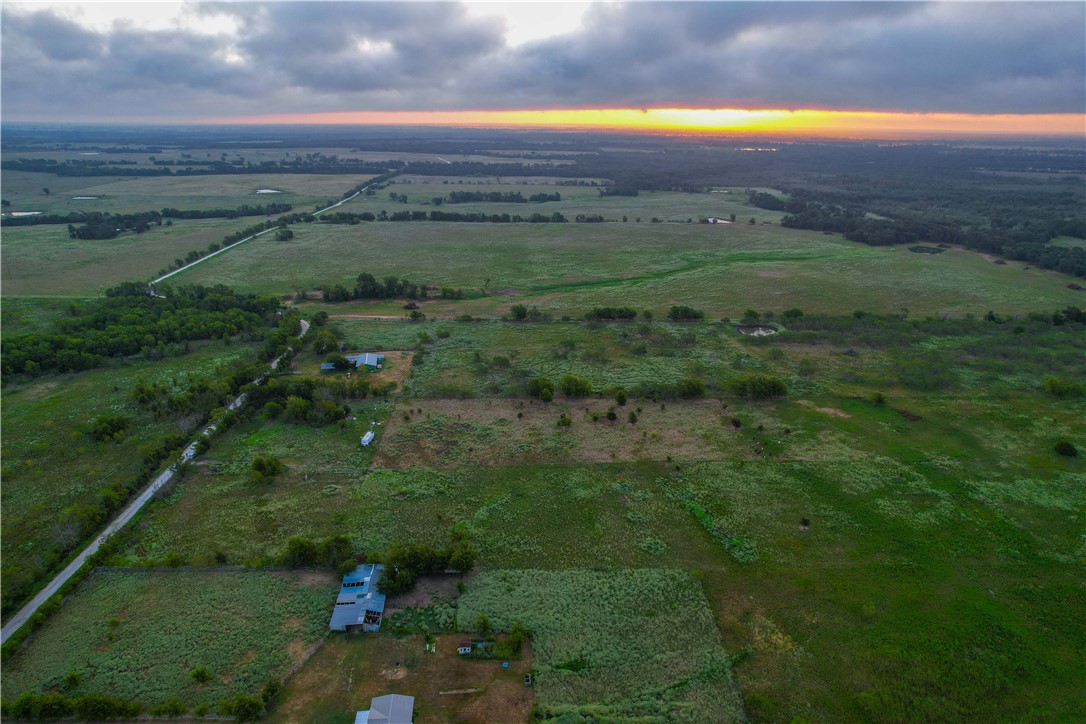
(388, 709)
(359, 606)
(715, 220)
(367, 360)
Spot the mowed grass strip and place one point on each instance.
(136, 634)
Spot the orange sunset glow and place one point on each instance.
(846, 124)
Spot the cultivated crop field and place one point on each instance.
(138, 634)
(619, 644)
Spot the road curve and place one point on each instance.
(126, 515)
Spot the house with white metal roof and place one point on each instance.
(359, 606)
(388, 709)
(370, 361)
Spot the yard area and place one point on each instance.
(351, 669)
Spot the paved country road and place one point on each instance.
(121, 520)
(205, 257)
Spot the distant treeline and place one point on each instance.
(130, 320)
(509, 197)
(148, 217)
(1026, 243)
(192, 167)
(344, 217)
(1023, 237)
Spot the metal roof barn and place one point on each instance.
(359, 606)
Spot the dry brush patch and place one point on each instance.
(448, 433)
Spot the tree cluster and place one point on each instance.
(130, 320)
(507, 197)
(404, 563)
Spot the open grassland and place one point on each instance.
(32, 314)
(137, 635)
(668, 206)
(130, 195)
(51, 462)
(569, 268)
(613, 645)
(44, 261)
(349, 671)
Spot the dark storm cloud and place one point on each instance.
(311, 56)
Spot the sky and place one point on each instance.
(882, 69)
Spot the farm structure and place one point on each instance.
(368, 360)
(359, 606)
(387, 709)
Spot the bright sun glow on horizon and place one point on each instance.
(845, 124)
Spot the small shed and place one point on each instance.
(464, 648)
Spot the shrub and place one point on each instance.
(301, 552)
(1061, 388)
(243, 706)
(200, 675)
(573, 386)
(690, 388)
(1066, 448)
(269, 467)
(683, 313)
(758, 387)
(541, 387)
(565, 421)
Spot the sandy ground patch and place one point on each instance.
(831, 411)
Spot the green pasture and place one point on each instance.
(137, 635)
(31, 314)
(569, 268)
(667, 206)
(42, 261)
(129, 195)
(51, 463)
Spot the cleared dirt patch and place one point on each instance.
(449, 433)
(831, 411)
(429, 590)
(349, 671)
